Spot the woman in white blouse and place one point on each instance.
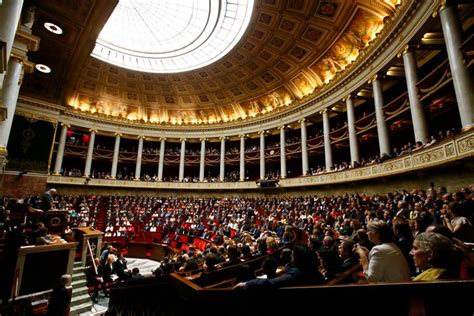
(385, 261)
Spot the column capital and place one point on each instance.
(117, 134)
(93, 130)
(282, 127)
(376, 77)
(203, 139)
(182, 139)
(65, 125)
(302, 120)
(17, 58)
(243, 136)
(440, 6)
(141, 137)
(324, 111)
(162, 139)
(406, 49)
(261, 132)
(223, 138)
(347, 97)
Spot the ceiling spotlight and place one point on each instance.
(43, 68)
(53, 28)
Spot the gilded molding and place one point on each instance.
(441, 5)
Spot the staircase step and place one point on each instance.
(79, 283)
(77, 264)
(80, 291)
(80, 309)
(78, 276)
(78, 269)
(84, 298)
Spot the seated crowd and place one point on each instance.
(400, 236)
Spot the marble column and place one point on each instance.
(11, 89)
(353, 144)
(282, 152)
(242, 157)
(90, 153)
(420, 125)
(138, 166)
(327, 141)
(181, 159)
(161, 161)
(202, 161)
(462, 79)
(262, 154)
(304, 148)
(60, 154)
(382, 128)
(222, 160)
(10, 11)
(113, 172)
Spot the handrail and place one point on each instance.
(92, 256)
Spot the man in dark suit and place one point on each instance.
(95, 280)
(60, 299)
(47, 200)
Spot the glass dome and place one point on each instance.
(168, 36)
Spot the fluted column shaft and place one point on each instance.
(202, 161)
(304, 149)
(327, 141)
(382, 128)
(353, 144)
(222, 160)
(11, 89)
(242, 158)
(262, 155)
(60, 154)
(113, 172)
(10, 11)
(90, 153)
(420, 126)
(181, 160)
(282, 152)
(462, 80)
(138, 166)
(161, 160)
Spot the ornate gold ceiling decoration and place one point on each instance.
(291, 50)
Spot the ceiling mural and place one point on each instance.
(291, 50)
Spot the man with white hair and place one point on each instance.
(47, 200)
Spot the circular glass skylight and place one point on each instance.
(166, 36)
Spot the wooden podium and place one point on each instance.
(55, 221)
(91, 235)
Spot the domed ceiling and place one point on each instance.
(290, 50)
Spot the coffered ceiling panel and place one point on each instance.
(291, 49)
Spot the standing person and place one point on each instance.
(385, 262)
(60, 300)
(47, 200)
